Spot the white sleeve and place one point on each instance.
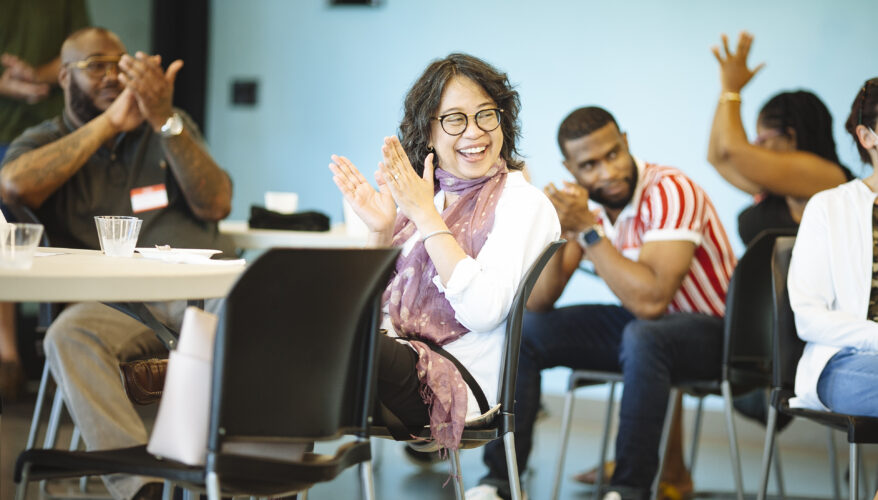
(481, 289)
(812, 289)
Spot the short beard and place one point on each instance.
(598, 197)
(81, 105)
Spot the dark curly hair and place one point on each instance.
(864, 111)
(422, 103)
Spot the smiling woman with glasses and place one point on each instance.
(832, 282)
(451, 194)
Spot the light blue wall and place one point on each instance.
(333, 79)
(130, 19)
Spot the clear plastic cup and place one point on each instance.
(117, 234)
(18, 243)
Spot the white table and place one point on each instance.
(260, 239)
(88, 275)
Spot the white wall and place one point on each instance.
(333, 79)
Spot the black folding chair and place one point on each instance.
(746, 364)
(294, 362)
(788, 349)
(503, 423)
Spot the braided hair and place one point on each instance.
(864, 111)
(807, 116)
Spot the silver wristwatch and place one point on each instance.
(173, 126)
(591, 236)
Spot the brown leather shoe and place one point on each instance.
(591, 476)
(144, 379)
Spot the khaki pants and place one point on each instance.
(84, 347)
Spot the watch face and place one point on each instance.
(174, 126)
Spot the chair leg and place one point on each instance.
(566, 419)
(54, 421)
(168, 490)
(767, 450)
(778, 473)
(512, 465)
(213, 486)
(733, 439)
(605, 442)
(367, 480)
(21, 488)
(459, 493)
(833, 464)
(38, 408)
(696, 435)
(853, 467)
(663, 443)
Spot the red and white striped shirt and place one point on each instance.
(668, 206)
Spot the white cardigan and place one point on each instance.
(481, 289)
(830, 281)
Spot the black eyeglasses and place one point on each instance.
(97, 66)
(456, 123)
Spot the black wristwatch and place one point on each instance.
(591, 236)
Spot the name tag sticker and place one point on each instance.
(149, 198)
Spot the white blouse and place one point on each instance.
(481, 289)
(830, 281)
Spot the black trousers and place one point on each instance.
(398, 384)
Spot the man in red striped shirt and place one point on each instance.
(654, 237)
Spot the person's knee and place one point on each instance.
(69, 332)
(639, 339)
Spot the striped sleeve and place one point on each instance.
(673, 209)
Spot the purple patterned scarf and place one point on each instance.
(418, 309)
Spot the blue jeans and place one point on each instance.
(3, 148)
(652, 355)
(849, 383)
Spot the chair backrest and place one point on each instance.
(509, 368)
(787, 344)
(295, 346)
(749, 318)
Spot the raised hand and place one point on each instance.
(571, 203)
(734, 73)
(123, 113)
(376, 208)
(152, 87)
(413, 194)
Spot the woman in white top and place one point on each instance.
(451, 194)
(833, 282)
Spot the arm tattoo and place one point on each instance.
(206, 187)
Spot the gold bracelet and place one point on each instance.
(434, 233)
(729, 97)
